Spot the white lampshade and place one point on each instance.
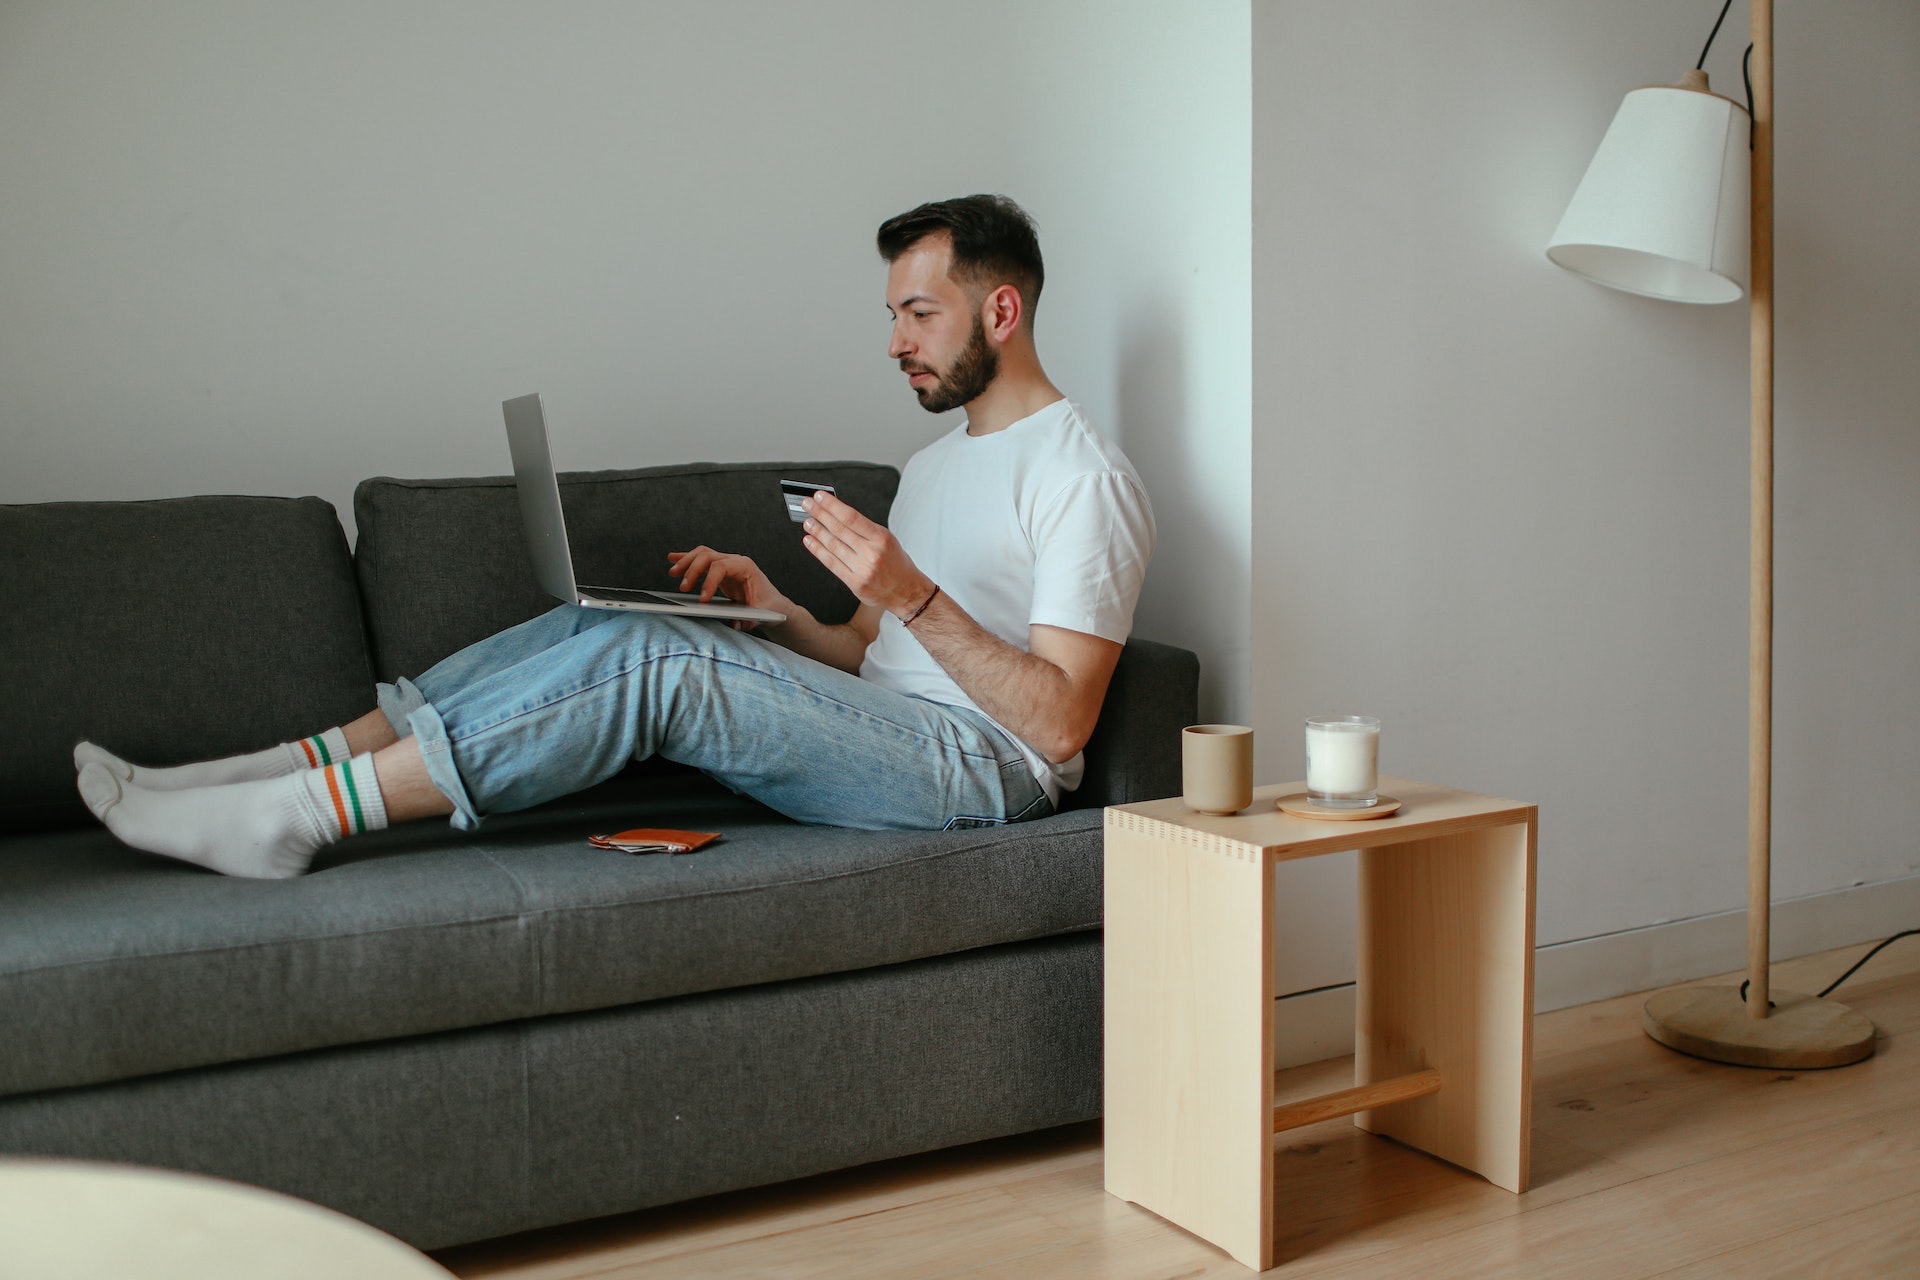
(1662, 211)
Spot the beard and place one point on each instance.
(971, 373)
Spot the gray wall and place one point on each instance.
(277, 248)
(1506, 510)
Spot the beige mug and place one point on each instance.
(1216, 767)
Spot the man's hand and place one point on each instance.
(864, 555)
(710, 571)
(737, 577)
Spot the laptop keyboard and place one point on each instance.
(617, 593)
(646, 597)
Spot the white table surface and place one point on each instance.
(83, 1221)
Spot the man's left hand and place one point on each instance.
(864, 555)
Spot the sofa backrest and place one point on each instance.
(442, 563)
(167, 631)
(186, 628)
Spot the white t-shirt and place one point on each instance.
(1043, 522)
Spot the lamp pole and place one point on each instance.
(1760, 567)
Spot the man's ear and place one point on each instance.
(1000, 312)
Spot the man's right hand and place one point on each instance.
(738, 578)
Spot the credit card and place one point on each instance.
(796, 492)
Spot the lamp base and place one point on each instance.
(1802, 1032)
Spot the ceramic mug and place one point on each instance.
(1216, 767)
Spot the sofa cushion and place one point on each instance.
(442, 563)
(115, 963)
(166, 631)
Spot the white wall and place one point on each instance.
(1506, 510)
(275, 249)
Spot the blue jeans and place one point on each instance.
(565, 700)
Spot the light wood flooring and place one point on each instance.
(1646, 1163)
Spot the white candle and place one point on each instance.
(1343, 759)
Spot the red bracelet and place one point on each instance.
(923, 608)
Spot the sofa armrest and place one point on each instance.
(1134, 753)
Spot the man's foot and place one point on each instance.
(265, 829)
(275, 762)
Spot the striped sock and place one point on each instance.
(268, 828)
(319, 751)
(275, 762)
(347, 797)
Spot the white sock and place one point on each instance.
(266, 829)
(275, 762)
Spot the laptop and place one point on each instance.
(545, 527)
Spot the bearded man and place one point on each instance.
(960, 693)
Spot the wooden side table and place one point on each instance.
(1444, 1035)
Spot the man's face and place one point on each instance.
(937, 334)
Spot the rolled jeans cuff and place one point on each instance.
(430, 734)
(398, 701)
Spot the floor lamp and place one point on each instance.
(1678, 204)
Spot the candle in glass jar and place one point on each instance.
(1343, 759)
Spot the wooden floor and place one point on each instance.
(1646, 1163)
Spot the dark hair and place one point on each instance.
(994, 242)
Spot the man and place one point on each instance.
(960, 693)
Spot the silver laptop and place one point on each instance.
(546, 530)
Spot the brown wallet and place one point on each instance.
(654, 840)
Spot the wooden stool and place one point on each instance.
(1444, 1024)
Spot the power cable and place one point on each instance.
(1746, 66)
(1905, 933)
(1834, 985)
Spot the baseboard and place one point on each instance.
(1312, 1025)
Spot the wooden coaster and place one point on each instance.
(1299, 806)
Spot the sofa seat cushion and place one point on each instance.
(115, 963)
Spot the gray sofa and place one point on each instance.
(456, 1037)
